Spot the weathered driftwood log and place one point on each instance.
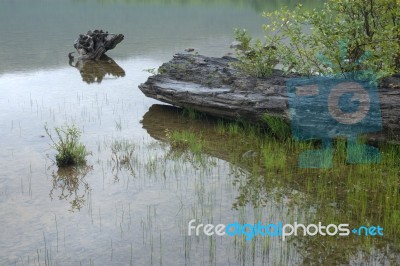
(213, 86)
(95, 43)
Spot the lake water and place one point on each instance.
(132, 203)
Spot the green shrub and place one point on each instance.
(255, 59)
(343, 36)
(70, 150)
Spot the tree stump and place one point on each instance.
(95, 43)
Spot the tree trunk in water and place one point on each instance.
(95, 43)
(212, 86)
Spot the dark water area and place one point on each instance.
(40, 34)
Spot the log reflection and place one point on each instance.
(94, 71)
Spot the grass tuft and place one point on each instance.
(277, 126)
(70, 151)
(184, 140)
(192, 113)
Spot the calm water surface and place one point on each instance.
(131, 205)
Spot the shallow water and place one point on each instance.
(132, 204)
(112, 213)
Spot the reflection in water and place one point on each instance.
(161, 117)
(72, 185)
(271, 177)
(96, 70)
(123, 158)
